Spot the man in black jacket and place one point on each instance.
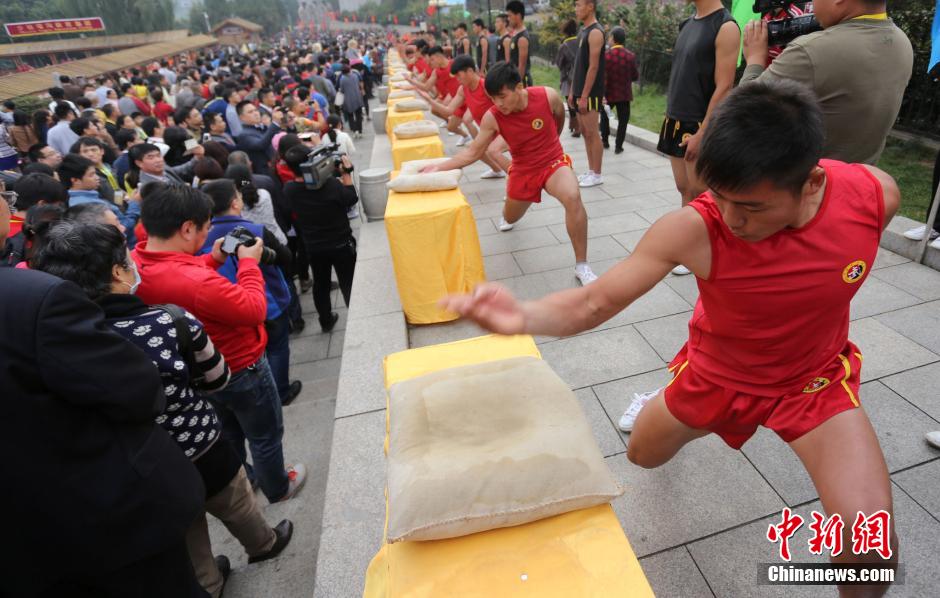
(98, 496)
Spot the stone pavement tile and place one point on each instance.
(561, 255)
(608, 440)
(686, 286)
(435, 334)
(667, 334)
(920, 281)
(530, 286)
(671, 195)
(373, 244)
(900, 428)
(485, 226)
(563, 278)
(599, 227)
(885, 351)
(500, 265)
(542, 217)
(654, 214)
(920, 323)
(639, 187)
(600, 356)
(368, 341)
(588, 195)
(653, 307)
(617, 395)
(320, 380)
(877, 297)
(655, 161)
(488, 186)
(730, 560)
(277, 578)
(354, 508)
(921, 484)
(689, 497)
(336, 343)
(492, 209)
(673, 574)
(651, 173)
(919, 387)
(516, 240)
(309, 348)
(620, 205)
(886, 259)
(374, 288)
(630, 239)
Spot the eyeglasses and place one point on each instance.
(10, 198)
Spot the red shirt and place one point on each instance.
(531, 133)
(233, 314)
(620, 72)
(16, 225)
(142, 106)
(775, 312)
(162, 110)
(476, 101)
(446, 84)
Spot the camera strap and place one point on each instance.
(184, 340)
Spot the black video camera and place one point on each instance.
(239, 236)
(784, 31)
(323, 163)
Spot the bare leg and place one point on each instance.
(514, 210)
(592, 139)
(657, 435)
(453, 125)
(563, 186)
(844, 459)
(695, 186)
(471, 126)
(682, 179)
(496, 152)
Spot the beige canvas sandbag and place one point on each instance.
(487, 446)
(415, 129)
(415, 166)
(430, 181)
(397, 77)
(411, 106)
(401, 93)
(402, 85)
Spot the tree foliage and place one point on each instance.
(124, 16)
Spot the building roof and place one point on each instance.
(39, 80)
(90, 43)
(244, 24)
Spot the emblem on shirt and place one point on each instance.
(854, 271)
(816, 385)
(537, 124)
(512, 45)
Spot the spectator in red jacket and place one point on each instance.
(177, 220)
(161, 109)
(621, 73)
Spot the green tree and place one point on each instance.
(124, 16)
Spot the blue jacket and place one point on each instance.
(128, 219)
(275, 287)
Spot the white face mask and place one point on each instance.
(133, 287)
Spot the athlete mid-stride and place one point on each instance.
(529, 120)
(779, 246)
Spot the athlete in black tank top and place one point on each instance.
(514, 56)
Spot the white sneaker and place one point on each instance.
(450, 133)
(353, 213)
(584, 273)
(592, 179)
(681, 270)
(504, 226)
(492, 174)
(933, 439)
(464, 140)
(917, 234)
(583, 175)
(629, 416)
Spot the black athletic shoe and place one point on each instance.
(283, 532)
(328, 324)
(292, 391)
(606, 144)
(618, 150)
(297, 326)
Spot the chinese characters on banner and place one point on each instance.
(53, 26)
(869, 534)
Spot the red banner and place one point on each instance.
(28, 28)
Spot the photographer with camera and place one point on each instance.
(320, 195)
(858, 66)
(176, 219)
(255, 138)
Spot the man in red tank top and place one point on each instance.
(445, 85)
(471, 104)
(529, 119)
(779, 246)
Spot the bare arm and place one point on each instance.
(506, 43)
(446, 109)
(890, 191)
(558, 109)
(677, 237)
(473, 152)
(484, 52)
(523, 55)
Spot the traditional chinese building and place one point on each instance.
(235, 32)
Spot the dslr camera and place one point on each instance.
(323, 163)
(239, 236)
(784, 31)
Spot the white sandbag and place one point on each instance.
(402, 85)
(397, 77)
(431, 181)
(415, 129)
(411, 106)
(415, 166)
(401, 93)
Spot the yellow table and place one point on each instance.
(418, 148)
(574, 555)
(393, 118)
(435, 250)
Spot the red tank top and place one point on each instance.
(477, 101)
(446, 83)
(774, 312)
(531, 133)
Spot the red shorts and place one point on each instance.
(526, 182)
(735, 415)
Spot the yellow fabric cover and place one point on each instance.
(394, 118)
(576, 555)
(419, 148)
(435, 250)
